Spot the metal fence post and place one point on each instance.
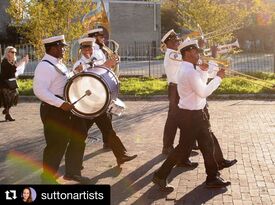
(149, 62)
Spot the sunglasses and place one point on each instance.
(12, 52)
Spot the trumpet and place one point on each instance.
(222, 49)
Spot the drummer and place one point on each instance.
(86, 46)
(103, 122)
(64, 132)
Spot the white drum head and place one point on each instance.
(93, 103)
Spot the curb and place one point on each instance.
(164, 97)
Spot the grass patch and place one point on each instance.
(143, 86)
(151, 86)
(25, 87)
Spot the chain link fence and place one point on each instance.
(144, 59)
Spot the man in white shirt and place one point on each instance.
(172, 61)
(193, 121)
(104, 121)
(64, 132)
(99, 57)
(85, 61)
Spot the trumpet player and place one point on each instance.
(99, 57)
(192, 119)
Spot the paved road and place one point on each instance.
(245, 129)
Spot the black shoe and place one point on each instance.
(226, 163)
(217, 182)
(188, 164)
(125, 158)
(77, 178)
(162, 184)
(4, 112)
(9, 118)
(167, 150)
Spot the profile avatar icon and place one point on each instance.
(28, 195)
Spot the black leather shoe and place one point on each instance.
(4, 112)
(9, 118)
(77, 178)
(226, 163)
(217, 182)
(167, 150)
(188, 164)
(125, 158)
(162, 184)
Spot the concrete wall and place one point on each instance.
(132, 22)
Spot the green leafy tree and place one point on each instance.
(218, 19)
(38, 19)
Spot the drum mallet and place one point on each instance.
(87, 93)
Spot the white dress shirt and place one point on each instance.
(192, 87)
(98, 56)
(48, 82)
(84, 62)
(172, 66)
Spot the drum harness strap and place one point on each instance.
(56, 68)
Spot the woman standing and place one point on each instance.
(8, 88)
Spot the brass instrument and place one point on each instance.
(222, 49)
(96, 17)
(113, 54)
(225, 64)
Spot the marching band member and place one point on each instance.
(85, 61)
(104, 122)
(64, 132)
(193, 122)
(172, 62)
(98, 54)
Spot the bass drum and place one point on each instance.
(102, 87)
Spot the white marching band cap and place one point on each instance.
(55, 41)
(188, 44)
(169, 33)
(84, 42)
(96, 30)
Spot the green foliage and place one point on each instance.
(223, 18)
(152, 86)
(36, 19)
(25, 87)
(143, 86)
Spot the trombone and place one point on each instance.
(225, 64)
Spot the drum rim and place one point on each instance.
(81, 114)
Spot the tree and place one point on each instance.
(217, 19)
(38, 19)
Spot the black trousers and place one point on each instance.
(193, 125)
(217, 149)
(104, 123)
(64, 133)
(171, 125)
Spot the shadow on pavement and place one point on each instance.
(199, 195)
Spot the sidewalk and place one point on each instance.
(245, 129)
